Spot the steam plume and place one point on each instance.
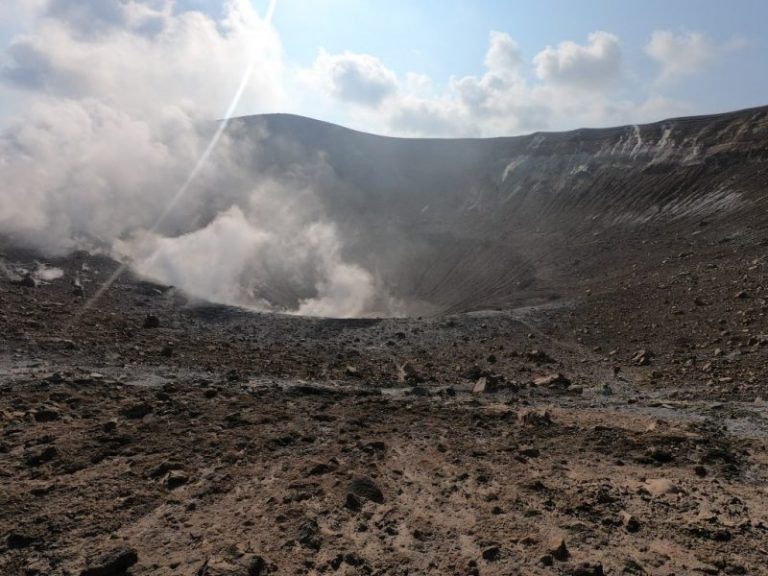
(115, 147)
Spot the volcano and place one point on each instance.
(468, 224)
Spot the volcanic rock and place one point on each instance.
(309, 534)
(365, 487)
(642, 358)
(587, 569)
(657, 487)
(556, 380)
(113, 563)
(17, 540)
(39, 457)
(175, 479)
(136, 411)
(539, 357)
(28, 281)
(257, 566)
(352, 502)
(492, 553)
(559, 550)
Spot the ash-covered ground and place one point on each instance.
(620, 429)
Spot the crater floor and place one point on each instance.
(617, 428)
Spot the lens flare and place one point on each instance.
(198, 166)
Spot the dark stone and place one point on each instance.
(475, 373)
(366, 488)
(560, 552)
(491, 554)
(632, 524)
(353, 503)
(320, 469)
(586, 569)
(43, 456)
(257, 566)
(661, 456)
(151, 321)
(28, 281)
(353, 559)
(136, 411)
(411, 375)
(18, 540)
(175, 479)
(309, 535)
(374, 447)
(114, 563)
(539, 357)
(46, 415)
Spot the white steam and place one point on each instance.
(113, 116)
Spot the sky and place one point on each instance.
(433, 68)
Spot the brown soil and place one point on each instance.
(215, 441)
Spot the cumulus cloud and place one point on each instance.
(357, 78)
(574, 85)
(585, 66)
(680, 54)
(115, 117)
(138, 72)
(20, 12)
(90, 17)
(503, 55)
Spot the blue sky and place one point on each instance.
(449, 37)
(440, 68)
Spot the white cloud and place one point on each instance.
(357, 78)
(680, 54)
(129, 68)
(591, 66)
(575, 86)
(20, 12)
(503, 55)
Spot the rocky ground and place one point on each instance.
(619, 428)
